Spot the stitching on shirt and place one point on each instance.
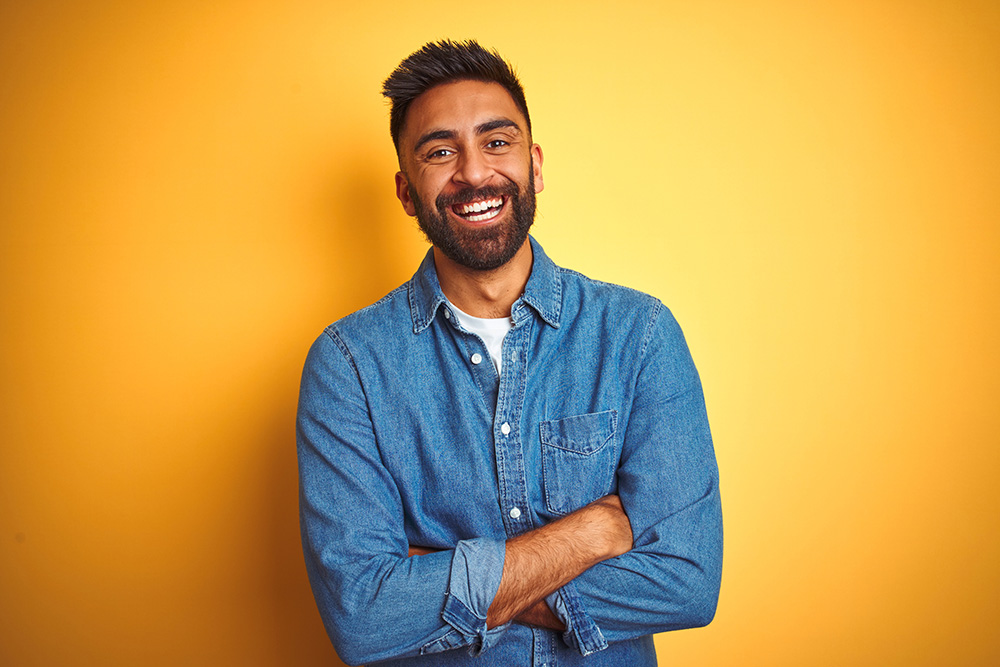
(444, 642)
(391, 295)
(591, 459)
(647, 338)
(419, 324)
(604, 283)
(334, 335)
(520, 339)
(454, 619)
(589, 638)
(648, 335)
(464, 342)
(548, 439)
(557, 298)
(524, 337)
(416, 311)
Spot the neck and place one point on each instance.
(484, 293)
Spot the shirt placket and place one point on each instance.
(543, 648)
(507, 432)
(508, 442)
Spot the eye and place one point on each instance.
(497, 143)
(439, 153)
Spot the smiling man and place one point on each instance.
(502, 462)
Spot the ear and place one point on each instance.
(403, 194)
(536, 162)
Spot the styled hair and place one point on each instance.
(445, 62)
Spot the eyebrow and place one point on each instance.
(491, 125)
(482, 128)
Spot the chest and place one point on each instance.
(477, 453)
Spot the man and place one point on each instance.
(502, 462)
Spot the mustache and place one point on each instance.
(467, 195)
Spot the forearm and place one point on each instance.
(541, 561)
(538, 615)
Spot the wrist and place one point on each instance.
(615, 531)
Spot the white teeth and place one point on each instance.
(491, 213)
(479, 206)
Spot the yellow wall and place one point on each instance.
(190, 191)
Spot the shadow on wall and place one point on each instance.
(372, 248)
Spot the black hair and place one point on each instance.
(445, 62)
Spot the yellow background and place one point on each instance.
(190, 191)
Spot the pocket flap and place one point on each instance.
(583, 434)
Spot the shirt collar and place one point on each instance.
(543, 291)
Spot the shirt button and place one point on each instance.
(505, 428)
(447, 314)
(515, 513)
(476, 358)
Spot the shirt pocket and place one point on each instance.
(578, 459)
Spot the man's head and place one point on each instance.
(468, 169)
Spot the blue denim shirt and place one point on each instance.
(406, 435)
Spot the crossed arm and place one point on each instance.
(547, 558)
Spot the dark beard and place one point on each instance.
(482, 249)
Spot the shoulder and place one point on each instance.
(377, 320)
(582, 294)
(386, 319)
(615, 312)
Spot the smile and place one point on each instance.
(479, 211)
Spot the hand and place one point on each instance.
(420, 551)
(539, 615)
(618, 529)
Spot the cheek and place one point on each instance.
(430, 184)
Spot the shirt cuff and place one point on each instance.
(476, 568)
(581, 633)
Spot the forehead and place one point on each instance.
(458, 107)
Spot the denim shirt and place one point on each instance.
(406, 435)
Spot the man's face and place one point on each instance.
(469, 172)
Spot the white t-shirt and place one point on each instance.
(492, 330)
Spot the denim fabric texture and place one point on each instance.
(406, 435)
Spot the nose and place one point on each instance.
(473, 169)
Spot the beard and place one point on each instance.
(480, 249)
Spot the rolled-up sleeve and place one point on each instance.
(669, 486)
(375, 601)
